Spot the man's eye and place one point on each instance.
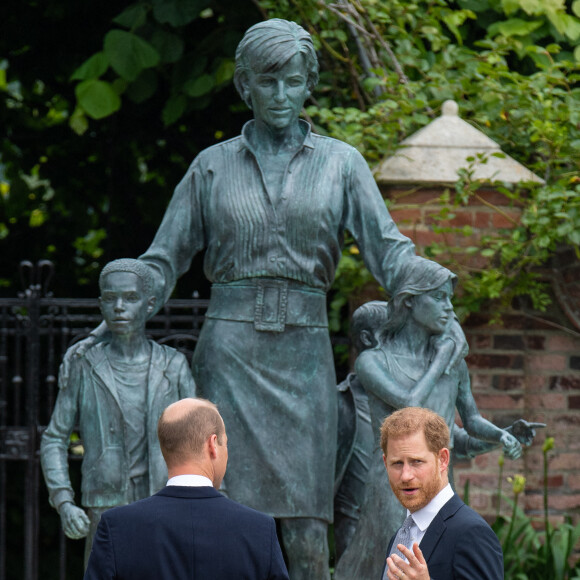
(132, 298)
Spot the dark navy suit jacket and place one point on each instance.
(460, 545)
(186, 533)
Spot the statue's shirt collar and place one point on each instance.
(249, 128)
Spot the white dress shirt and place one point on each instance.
(422, 518)
(190, 480)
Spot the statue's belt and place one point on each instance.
(269, 303)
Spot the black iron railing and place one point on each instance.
(35, 331)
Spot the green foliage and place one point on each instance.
(536, 550)
(514, 256)
(99, 129)
(156, 44)
(511, 67)
(102, 110)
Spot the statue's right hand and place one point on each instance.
(79, 349)
(443, 345)
(74, 520)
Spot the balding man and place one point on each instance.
(188, 530)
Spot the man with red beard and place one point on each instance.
(455, 542)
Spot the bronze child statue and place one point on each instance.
(115, 393)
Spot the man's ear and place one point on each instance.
(385, 460)
(408, 301)
(443, 456)
(212, 444)
(151, 304)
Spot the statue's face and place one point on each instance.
(278, 96)
(433, 309)
(123, 302)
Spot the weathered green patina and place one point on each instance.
(115, 393)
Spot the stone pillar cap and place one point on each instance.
(434, 154)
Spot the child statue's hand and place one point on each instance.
(511, 446)
(74, 520)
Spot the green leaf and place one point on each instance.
(177, 12)
(133, 17)
(577, 53)
(514, 27)
(199, 86)
(92, 68)
(225, 71)
(97, 98)
(565, 24)
(129, 54)
(510, 6)
(143, 87)
(78, 121)
(173, 109)
(169, 46)
(37, 217)
(576, 7)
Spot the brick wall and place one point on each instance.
(528, 367)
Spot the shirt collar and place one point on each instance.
(190, 480)
(248, 129)
(426, 515)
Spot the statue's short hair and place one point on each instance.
(370, 317)
(417, 277)
(269, 45)
(411, 420)
(182, 438)
(133, 266)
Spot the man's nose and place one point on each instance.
(119, 304)
(407, 473)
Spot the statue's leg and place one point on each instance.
(306, 544)
(94, 514)
(344, 529)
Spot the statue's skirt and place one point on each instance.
(276, 392)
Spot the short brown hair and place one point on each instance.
(410, 420)
(184, 437)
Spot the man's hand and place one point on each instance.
(511, 446)
(523, 431)
(74, 520)
(414, 569)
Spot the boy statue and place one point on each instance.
(114, 393)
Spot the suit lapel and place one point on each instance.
(437, 527)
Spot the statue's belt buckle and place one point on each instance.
(271, 305)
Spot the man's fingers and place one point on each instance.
(418, 554)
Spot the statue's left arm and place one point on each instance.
(385, 251)
(476, 425)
